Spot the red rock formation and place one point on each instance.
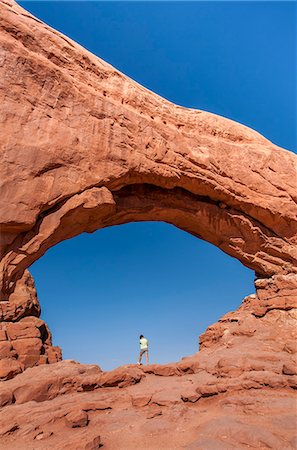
(25, 339)
(84, 147)
(107, 151)
(238, 391)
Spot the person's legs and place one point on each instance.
(140, 356)
(146, 357)
(139, 359)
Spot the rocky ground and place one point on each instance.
(237, 392)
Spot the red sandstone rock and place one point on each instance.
(21, 330)
(189, 365)
(6, 397)
(190, 396)
(77, 418)
(3, 335)
(165, 370)
(22, 302)
(28, 340)
(93, 444)
(141, 400)
(154, 412)
(28, 351)
(7, 351)
(290, 368)
(166, 398)
(53, 354)
(260, 389)
(121, 377)
(9, 368)
(146, 159)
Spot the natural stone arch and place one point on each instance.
(84, 147)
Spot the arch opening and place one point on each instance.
(99, 292)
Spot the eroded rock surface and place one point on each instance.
(237, 392)
(25, 339)
(107, 151)
(84, 147)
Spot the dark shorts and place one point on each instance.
(143, 350)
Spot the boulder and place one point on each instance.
(9, 367)
(77, 418)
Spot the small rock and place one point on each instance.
(94, 444)
(140, 400)
(6, 397)
(154, 413)
(43, 435)
(289, 369)
(191, 397)
(77, 419)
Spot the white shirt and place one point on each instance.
(143, 343)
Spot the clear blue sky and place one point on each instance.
(98, 292)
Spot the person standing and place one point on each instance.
(143, 349)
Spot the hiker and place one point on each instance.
(143, 349)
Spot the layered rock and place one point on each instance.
(238, 391)
(25, 339)
(106, 151)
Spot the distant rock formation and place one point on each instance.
(84, 147)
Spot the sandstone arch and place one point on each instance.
(84, 147)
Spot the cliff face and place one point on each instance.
(84, 147)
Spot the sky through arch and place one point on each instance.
(99, 291)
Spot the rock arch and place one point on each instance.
(85, 147)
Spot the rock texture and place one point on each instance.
(84, 147)
(25, 339)
(237, 392)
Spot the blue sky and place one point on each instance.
(98, 292)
